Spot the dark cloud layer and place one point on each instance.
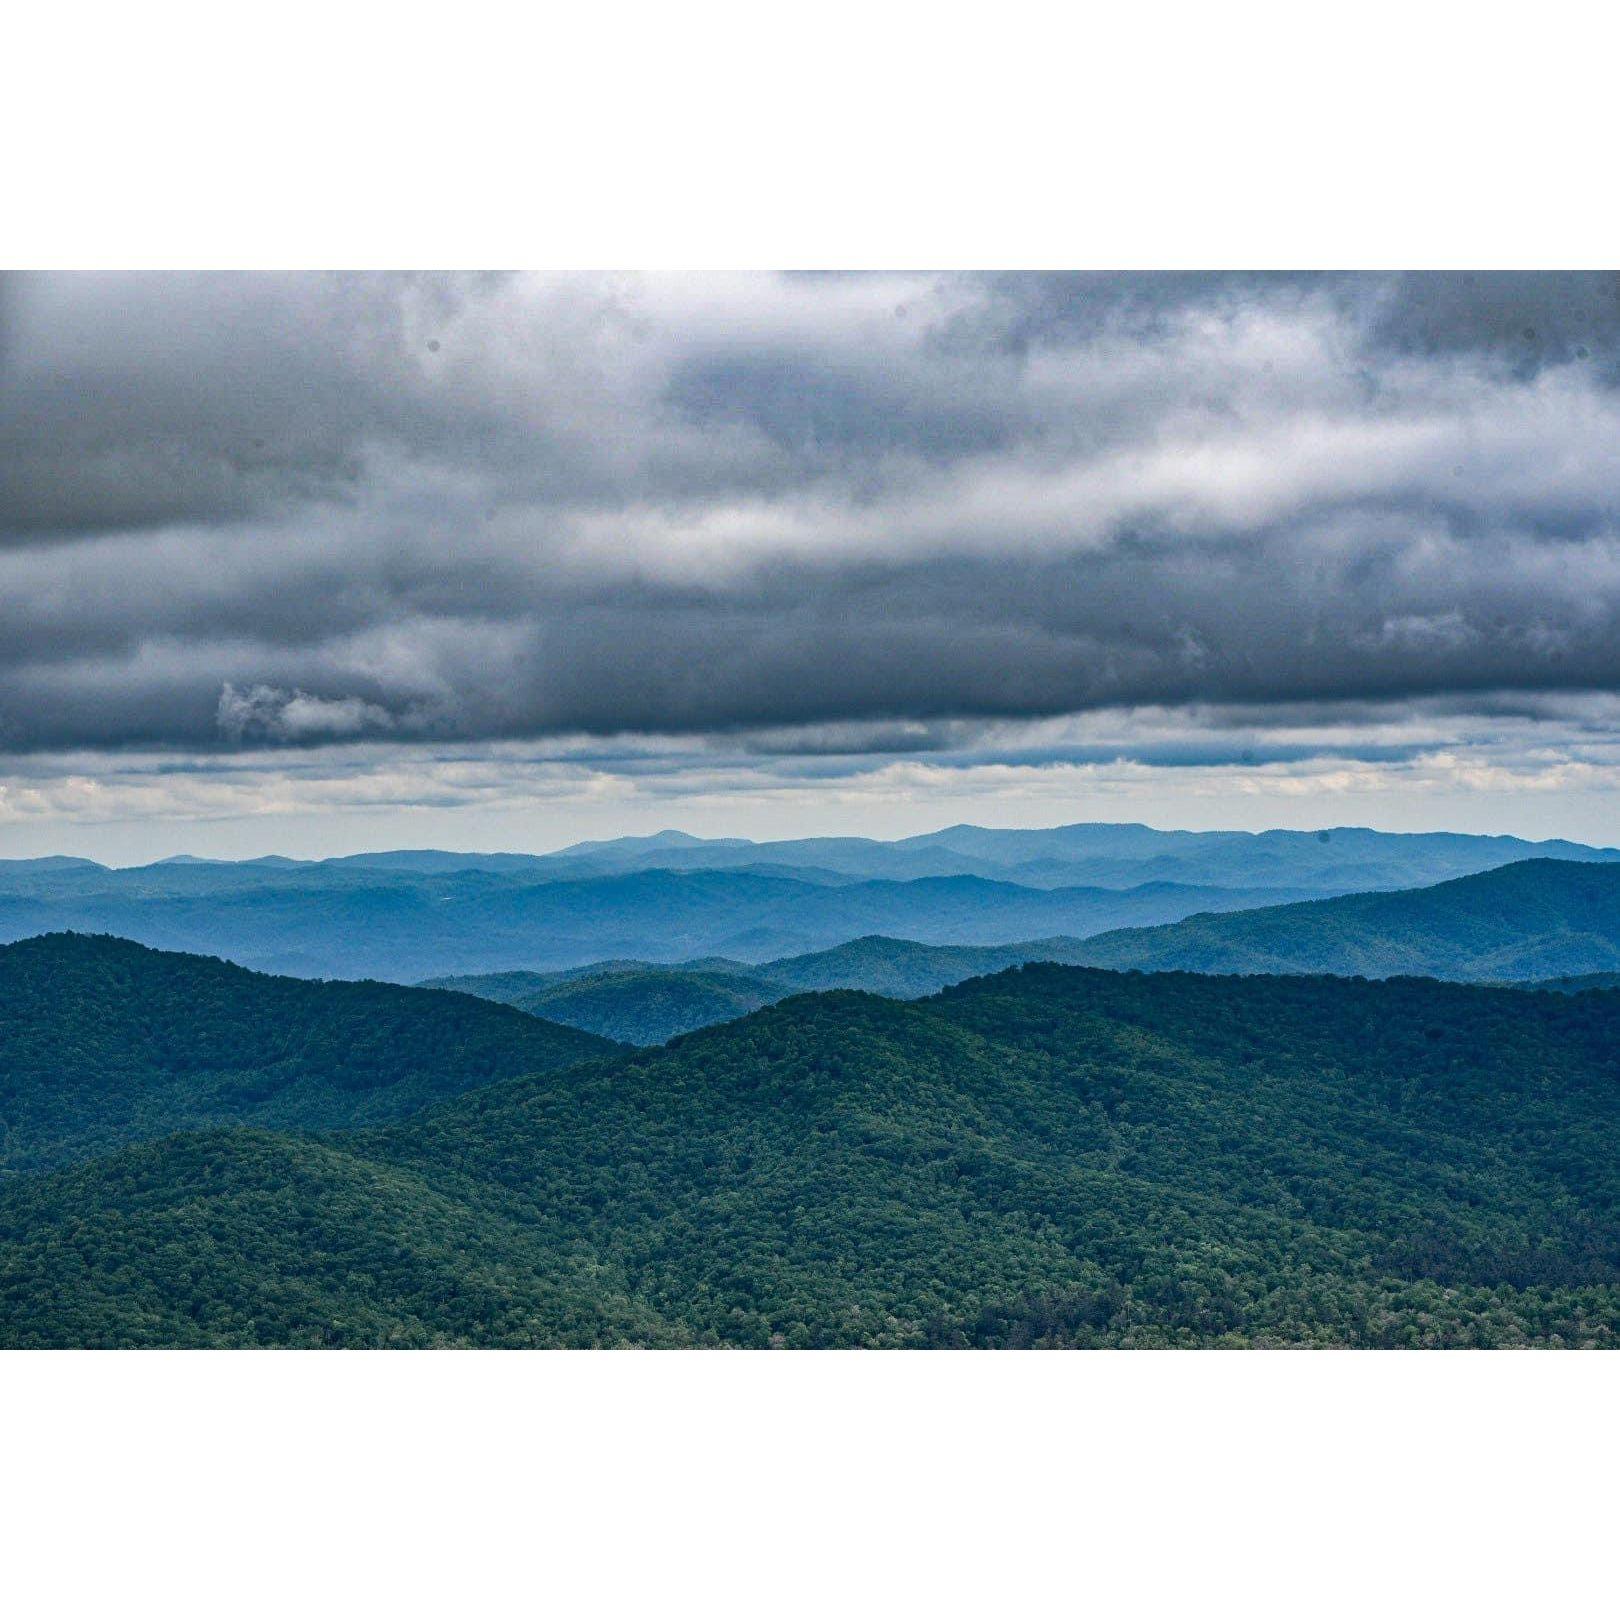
(239, 512)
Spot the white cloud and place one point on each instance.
(268, 712)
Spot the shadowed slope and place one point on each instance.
(103, 1042)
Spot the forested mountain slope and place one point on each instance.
(907, 968)
(646, 1004)
(1049, 1156)
(104, 1042)
(249, 1237)
(1533, 920)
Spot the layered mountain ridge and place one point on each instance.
(408, 915)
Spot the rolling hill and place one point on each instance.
(646, 1004)
(1551, 923)
(1539, 921)
(1574, 983)
(104, 1042)
(1500, 926)
(1049, 1156)
(1533, 920)
(907, 968)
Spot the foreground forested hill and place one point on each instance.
(104, 1042)
(1049, 1156)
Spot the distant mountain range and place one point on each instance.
(1103, 854)
(1109, 855)
(355, 921)
(1553, 922)
(407, 915)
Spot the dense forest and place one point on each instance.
(1049, 1156)
(104, 1042)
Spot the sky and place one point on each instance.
(319, 563)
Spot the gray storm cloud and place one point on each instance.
(249, 511)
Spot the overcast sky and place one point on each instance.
(321, 563)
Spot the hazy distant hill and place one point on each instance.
(646, 1004)
(1048, 1156)
(104, 1042)
(1534, 920)
(1113, 855)
(906, 968)
(407, 915)
(40, 864)
(351, 919)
